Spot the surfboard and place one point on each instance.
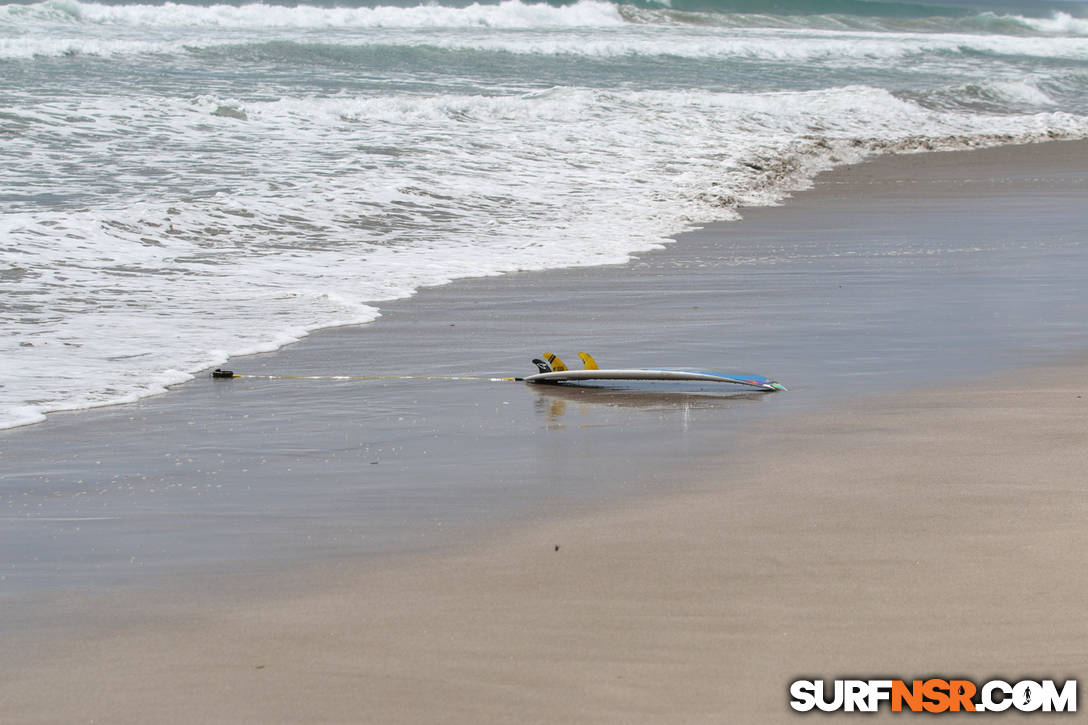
(664, 374)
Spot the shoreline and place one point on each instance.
(705, 547)
(894, 156)
(825, 315)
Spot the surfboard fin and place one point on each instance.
(556, 363)
(541, 365)
(588, 361)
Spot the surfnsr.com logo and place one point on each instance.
(933, 695)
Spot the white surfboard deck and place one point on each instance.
(701, 376)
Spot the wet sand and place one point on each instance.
(724, 548)
(936, 533)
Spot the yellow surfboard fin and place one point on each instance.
(556, 363)
(588, 361)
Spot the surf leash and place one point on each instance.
(226, 374)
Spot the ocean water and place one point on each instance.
(183, 182)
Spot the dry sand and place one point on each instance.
(934, 533)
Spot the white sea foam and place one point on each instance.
(1027, 92)
(1057, 24)
(694, 43)
(507, 14)
(780, 45)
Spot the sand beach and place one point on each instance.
(277, 551)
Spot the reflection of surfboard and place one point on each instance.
(696, 376)
(648, 395)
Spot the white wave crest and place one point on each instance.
(1058, 24)
(507, 14)
(53, 47)
(1024, 92)
(842, 48)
